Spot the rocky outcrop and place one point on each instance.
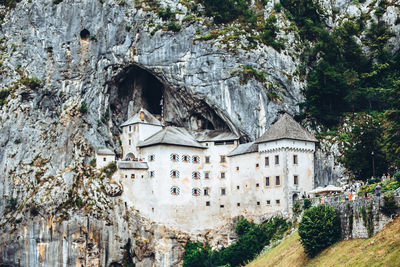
(74, 70)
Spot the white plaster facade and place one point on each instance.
(104, 157)
(194, 182)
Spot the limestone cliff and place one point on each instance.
(72, 71)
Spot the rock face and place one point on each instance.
(97, 62)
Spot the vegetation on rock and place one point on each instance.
(252, 239)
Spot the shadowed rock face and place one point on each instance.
(85, 55)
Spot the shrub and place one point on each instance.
(319, 228)
(32, 83)
(297, 208)
(174, 26)
(389, 205)
(12, 204)
(307, 204)
(397, 176)
(93, 162)
(110, 169)
(83, 109)
(3, 96)
(165, 13)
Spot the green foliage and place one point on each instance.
(3, 96)
(297, 207)
(174, 26)
(307, 204)
(387, 185)
(278, 7)
(396, 176)
(368, 219)
(224, 11)
(12, 204)
(319, 228)
(165, 13)
(32, 83)
(93, 162)
(248, 72)
(9, 3)
(252, 239)
(83, 109)
(110, 169)
(389, 205)
(268, 34)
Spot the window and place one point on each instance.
(206, 191)
(237, 168)
(130, 142)
(195, 175)
(206, 175)
(257, 185)
(218, 143)
(104, 159)
(266, 161)
(295, 159)
(266, 181)
(175, 190)
(207, 203)
(174, 157)
(268, 202)
(296, 180)
(130, 128)
(237, 187)
(185, 158)
(238, 204)
(207, 159)
(231, 142)
(257, 165)
(151, 173)
(222, 175)
(277, 180)
(223, 191)
(223, 159)
(152, 158)
(221, 206)
(258, 203)
(174, 174)
(126, 176)
(132, 176)
(278, 202)
(277, 160)
(196, 192)
(196, 159)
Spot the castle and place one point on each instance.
(202, 179)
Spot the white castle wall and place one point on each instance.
(104, 160)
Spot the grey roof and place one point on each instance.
(214, 135)
(148, 119)
(132, 165)
(286, 128)
(244, 149)
(105, 151)
(171, 136)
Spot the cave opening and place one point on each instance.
(134, 88)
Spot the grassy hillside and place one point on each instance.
(382, 249)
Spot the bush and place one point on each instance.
(319, 228)
(389, 206)
(397, 176)
(32, 83)
(83, 109)
(165, 13)
(12, 204)
(3, 96)
(307, 204)
(174, 26)
(110, 169)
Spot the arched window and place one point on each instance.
(175, 191)
(195, 175)
(196, 159)
(174, 174)
(174, 157)
(196, 192)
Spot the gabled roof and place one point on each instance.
(105, 151)
(244, 149)
(132, 165)
(286, 128)
(171, 136)
(214, 135)
(148, 119)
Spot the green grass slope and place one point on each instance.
(383, 249)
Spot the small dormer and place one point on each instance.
(138, 128)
